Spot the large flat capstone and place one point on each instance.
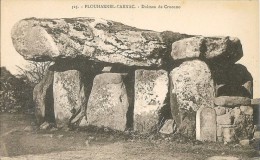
(220, 49)
(232, 101)
(93, 38)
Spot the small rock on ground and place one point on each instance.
(223, 158)
(28, 128)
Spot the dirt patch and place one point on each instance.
(19, 136)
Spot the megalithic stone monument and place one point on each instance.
(181, 74)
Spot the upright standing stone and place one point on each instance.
(42, 96)
(206, 125)
(229, 134)
(191, 88)
(108, 102)
(151, 88)
(69, 96)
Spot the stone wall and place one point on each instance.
(234, 113)
(107, 74)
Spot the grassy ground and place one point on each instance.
(19, 135)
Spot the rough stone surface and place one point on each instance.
(219, 131)
(230, 101)
(103, 44)
(235, 112)
(43, 97)
(244, 127)
(97, 39)
(244, 142)
(191, 88)
(257, 134)
(229, 134)
(187, 48)
(220, 110)
(46, 125)
(193, 85)
(83, 122)
(219, 49)
(220, 139)
(69, 96)
(224, 119)
(108, 102)
(151, 88)
(107, 69)
(220, 136)
(255, 101)
(28, 129)
(168, 127)
(206, 124)
(187, 127)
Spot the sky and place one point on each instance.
(208, 18)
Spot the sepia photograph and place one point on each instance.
(130, 80)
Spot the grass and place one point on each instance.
(19, 135)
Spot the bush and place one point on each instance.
(15, 93)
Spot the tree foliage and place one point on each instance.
(15, 92)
